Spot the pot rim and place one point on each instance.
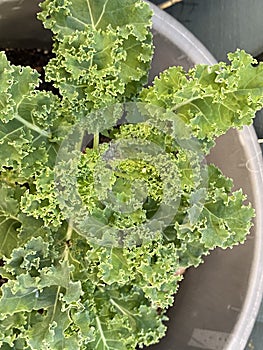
(176, 33)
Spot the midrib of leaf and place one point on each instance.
(186, 102)
(91, 15)
(32, 126)
(52, 316)
(102, 13)
(123, 311)
(251, 79)
(8, 233)
(76, 20)
(6, 136)
(69, 232)
(118, 258)
(203, 114)
(55, 305)
(54, 149)
(2, 104)
(9, 216)
(102, 337)
(214, 215)
(96, 141)
(210, 213)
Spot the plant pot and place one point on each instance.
(217, 303)
(228, 20)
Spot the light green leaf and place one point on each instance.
(28, 126)
(211, 99)
(9, 220)
(26, 299)
(226, 221)
(43, 297)
(61, 276)
(28, 258)
(50, 332)
(225, 218)
(113, 267)
(7, 331)
(107, 339)
(103, 50)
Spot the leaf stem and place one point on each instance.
(32, 126)
(166, 4)
(101, 332)
(55, 305)
(70, 230)
(68, 237)
(125, 312)
(91, 16)
(102, 13)
(96, 140)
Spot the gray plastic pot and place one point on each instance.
(217, 303)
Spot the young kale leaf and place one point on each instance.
(103, 50)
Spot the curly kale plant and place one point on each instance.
(105, 194)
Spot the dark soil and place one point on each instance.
(2, 280)
(260, 57)
(35, 58)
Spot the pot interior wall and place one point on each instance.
(19, 27)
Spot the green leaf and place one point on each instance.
(41, 201)
(225, 218)
(113, 267)
(102, 53)
(125, 319)
(9, 220)
(27, 121)
(211, 99)
(226, 221)
(154, 268)
(50, 332)
(61, 276)
(27, 298)
(42, 292)
(8, 332)
(107, 339)
(28, 258)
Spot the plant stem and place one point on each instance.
(96, 140)
(70, 230)
(166, 4)
(68, 237)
